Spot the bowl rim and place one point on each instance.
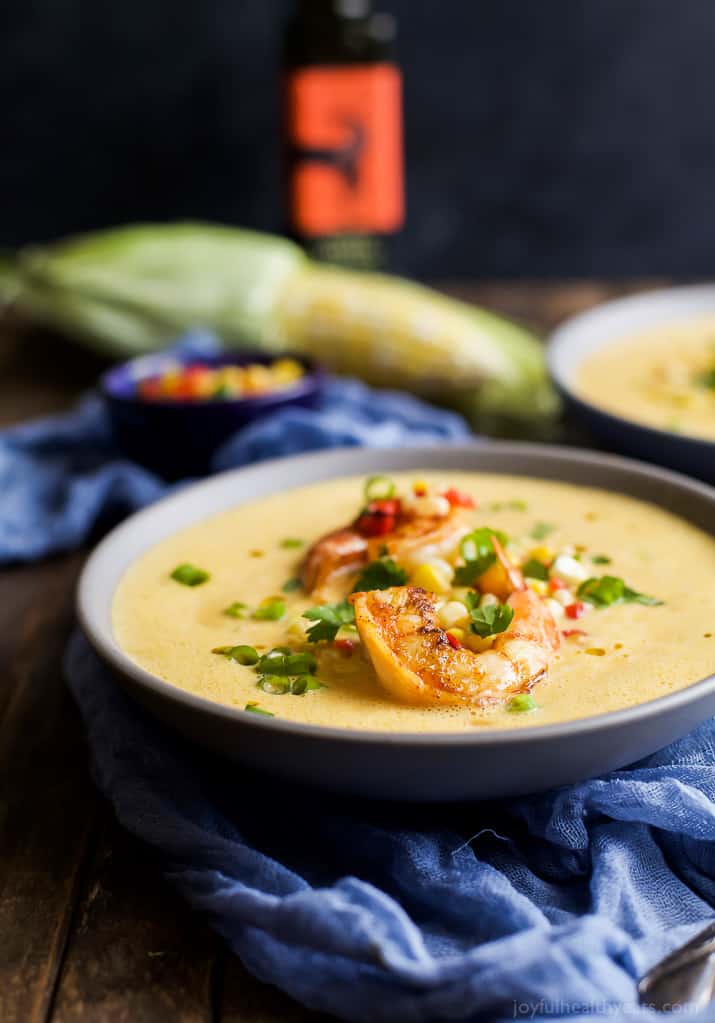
(105, 645)
(565, 332)
(311, 380)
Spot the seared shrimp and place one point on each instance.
(410, 531)
(342, 551)
(416, 662)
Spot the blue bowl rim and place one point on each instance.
(306, 385)
(554, 353)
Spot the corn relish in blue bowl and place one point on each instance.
(171, 412)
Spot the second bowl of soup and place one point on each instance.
(640, 373)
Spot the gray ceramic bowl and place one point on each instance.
(582, 335)
(473, 765)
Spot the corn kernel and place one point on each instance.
(539, 586)
(452, 613)
(459, 634)
(286, 370)
(431, 577)
(555, 608)
(477, 643)
(569, 569)
(460, 593)
(543, 554)
(435, 506)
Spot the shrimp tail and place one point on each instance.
(513, 574)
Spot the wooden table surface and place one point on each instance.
(88, 930)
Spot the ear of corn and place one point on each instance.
(135, 288)
(132, 289)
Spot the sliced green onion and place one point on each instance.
(270, 610)
(189, 575)
(541, 530)
(600, 559)
(281, 663)
(706, 378)
(237, 610)
(290, 585)
(522, 703)
(299, 685)
(273, 684)
(377, 488)
(253, 708)
(292, 541)
(240, 654)
(314, 683)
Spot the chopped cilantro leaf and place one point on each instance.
(328, 618)
(535, 569)
(491, 619)
(609, 590)
(380, 575)
(290, 585)
(478, 552)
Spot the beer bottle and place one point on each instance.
(343, 128)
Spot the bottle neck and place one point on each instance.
(334, 32)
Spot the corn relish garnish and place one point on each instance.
(198, 381)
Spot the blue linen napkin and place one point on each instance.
(547, 906)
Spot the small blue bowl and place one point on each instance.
(179, 438)
(582, 335)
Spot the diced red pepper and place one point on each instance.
(556, 584)
(453, 641)
(576, 609)
(458, 499)
(345, 646)
(372, 524)
(566, 633)
(150, 388)
(385, 506)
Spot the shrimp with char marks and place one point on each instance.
(416, 662)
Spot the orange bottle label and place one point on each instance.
(345, 132)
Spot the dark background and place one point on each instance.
(544, 137)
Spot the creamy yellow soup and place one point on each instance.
(631, 653)
(663, 377)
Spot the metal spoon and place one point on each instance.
(685, 977)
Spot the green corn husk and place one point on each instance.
(133, 289)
